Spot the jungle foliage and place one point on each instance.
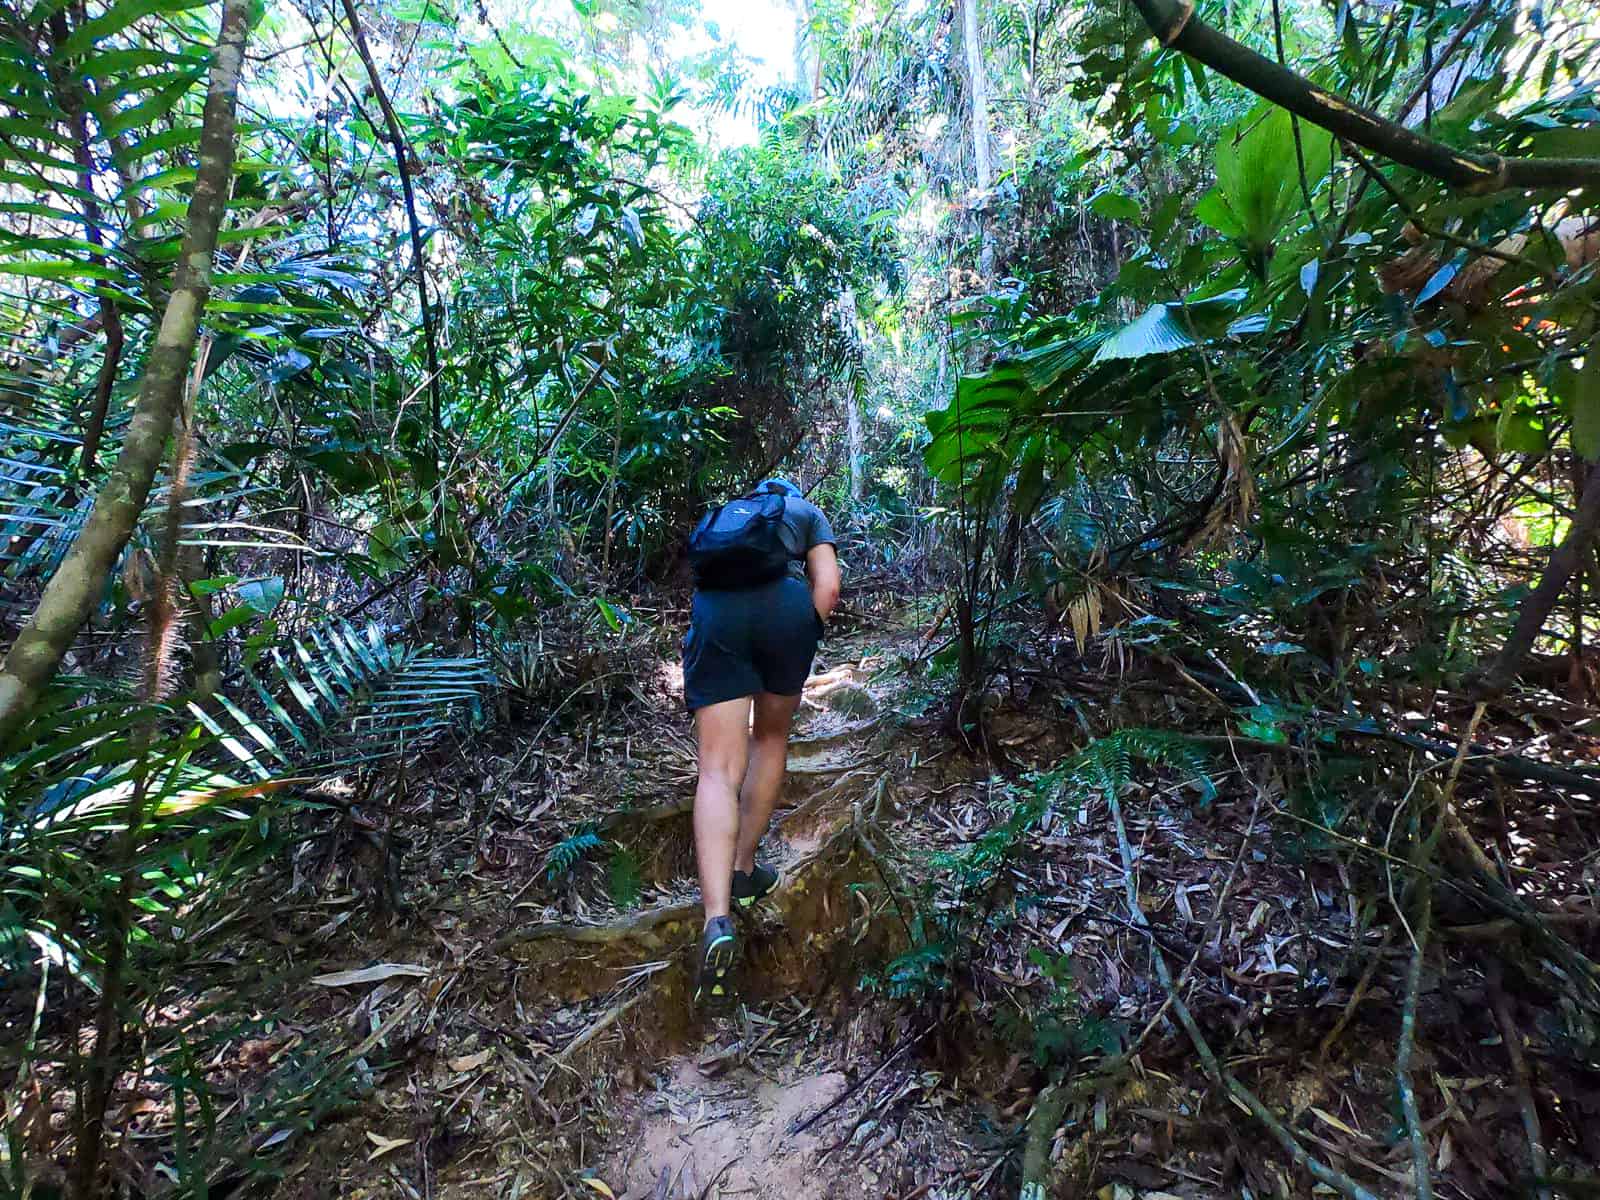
(350, 352)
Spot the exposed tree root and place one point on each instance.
(1046, 1114)
(641, 927)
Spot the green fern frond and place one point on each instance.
(1106, 764)
(569, 852)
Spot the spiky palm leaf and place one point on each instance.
(339, 698)
(86, 771)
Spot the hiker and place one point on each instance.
(766, 581)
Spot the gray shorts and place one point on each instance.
(759, 639)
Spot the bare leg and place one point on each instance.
(724, 736)
(763, 778)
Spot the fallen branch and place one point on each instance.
(1481, 761)
(610, 1017)
(1498, 930)
(640, 926)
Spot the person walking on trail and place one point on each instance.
(766, 581)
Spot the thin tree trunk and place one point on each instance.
(611, 491)
(397, 143)
(1536, 609)
(807, 55)
(983, 172)
(75, 104)
(852, 404)
(70, 594)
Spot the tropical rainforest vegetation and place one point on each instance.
(1206, 399)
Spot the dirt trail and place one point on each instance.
(760, 1102)
(546, 1045)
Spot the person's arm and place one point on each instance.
(822, 569)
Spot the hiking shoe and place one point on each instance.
(751, 886)
(719, 949)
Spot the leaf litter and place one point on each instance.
(568, 1062)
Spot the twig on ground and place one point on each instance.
(611, 1016)
(1521, 1078)
(1205, 936)
(1422, 1178)
(1356, 997)
(827, 1108)
(1214, 1070)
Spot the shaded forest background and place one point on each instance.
(363, 365)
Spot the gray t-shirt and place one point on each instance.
(804, 526)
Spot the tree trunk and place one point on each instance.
(71, 592)
(852, 405)
(1536, 609)
(807, 54)
(74, 104)
(983, 172)
(849, 332)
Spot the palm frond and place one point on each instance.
(343, 697)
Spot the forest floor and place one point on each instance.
(521, 1026)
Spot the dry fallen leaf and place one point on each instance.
(601, 1188)
(384, 1145)
(1330, 1119)
(373, 974)
(469, 1062)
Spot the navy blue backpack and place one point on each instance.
(740, 544)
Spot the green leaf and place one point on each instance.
(262, 595)
(1517, 432)
(1308, 276)
(60, 270)
(117, 18)
(1586, 405)
(1114, 204)
(1437, 282)
(1164, 328)
(1258, 176)
(239, 614)
(210, 587)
